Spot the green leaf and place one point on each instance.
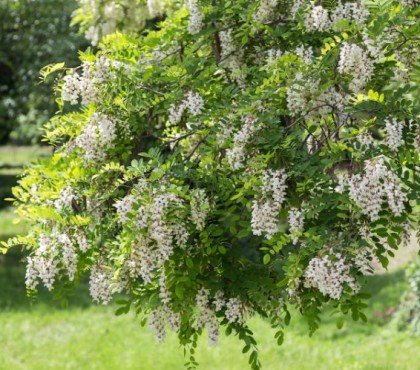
(339, 323)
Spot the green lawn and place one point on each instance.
(42, 335)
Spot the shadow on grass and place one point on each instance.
(7, 181)
(385, 290)
(14, 296)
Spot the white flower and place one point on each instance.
(157, 324)
(362, 261)
(305, 53)
(65, 199)
(199, 208)
(267, 205)
(393, 129)
(196, 17)
(193, 102)
(317, 19)
(329, 274)
(352, 11)
(265, 10)
(342, 179)
(272, 56)
(355, 62)
(236, 155)
(97, 136)
(296, 221)
(71, 88)
(155, 7)
(82, 240)
(235, 311)
(86, 84)
(100, 284)
(124, 207)
(231, 57)
(69, 254)
(43, 264)
(375, 186)
(207, 317)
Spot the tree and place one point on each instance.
(243, 158)
(32, 34)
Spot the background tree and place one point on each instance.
(32, 34)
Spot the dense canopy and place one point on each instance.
(246, 157)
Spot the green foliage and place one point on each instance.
(201, 171)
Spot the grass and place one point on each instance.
(93, 338)
(20, 155)
(42, 335)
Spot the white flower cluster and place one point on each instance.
(265, 11)
(152, 249)
(355, 62)
(366, 139)
(65, 199)
(235, 311)
(329, 276)
(85, 85)
(69, 255)
(266, 208)
(373, 47)
(393, 129)
(377, 184)
(54, 251)
(207, 317)
(199, 208)
(409, 3)
(196, 17)
(300, 94)
(296, 220)
(157, 324)
(42, 265)
(157, 246)
(192, 101)
(124, 207)
(303, 98)
(225, 131)
(97, 136)
(231, 56)
(100, 284)
(362, 261)
(155, 7)
(161, 231)
(306, 53)
(82, 240)
(317, 19)
(342, 180)
(272, 56)
(237, 154)
(164, 314)
(142, 260)
(352, 11)
(106, 20)
(296, 5)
